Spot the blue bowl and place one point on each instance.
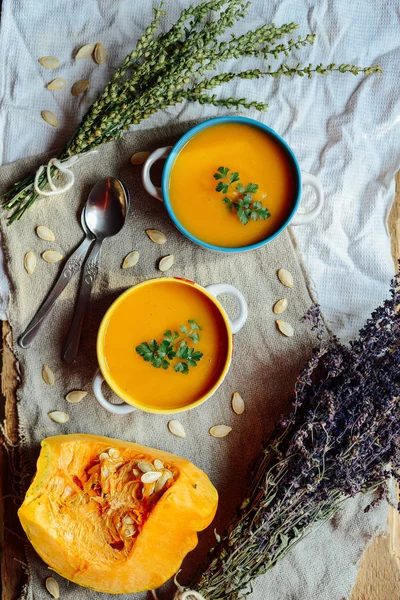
(184, 140)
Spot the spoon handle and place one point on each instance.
(90, 271)
(71, 267)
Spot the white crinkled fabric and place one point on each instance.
(345, 130)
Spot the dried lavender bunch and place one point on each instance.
(169, 68)
(339, 440)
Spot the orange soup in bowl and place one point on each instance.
(258, 158)
(155, 310)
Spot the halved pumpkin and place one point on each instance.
(91, 516)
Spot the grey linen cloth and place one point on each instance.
(263, 370)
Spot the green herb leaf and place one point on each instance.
(251, 188)
(181, 367)
(246, 207)
(172, 346)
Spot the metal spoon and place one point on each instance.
(105, 215)
(71, 267)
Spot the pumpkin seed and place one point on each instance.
(76, 396)
(79, 87)
(104, 456)
(45, 233)
(237, 403)
(50, 62)
(52, 587)
(161, 482)
(156, 236)
(280, 306)
(113, 452)
(220, 431)
(150, 477)
(168, 474)
(85, 51)
(145, 466)
(136, 472)
(176, 428)
(158, 464)
(130, 260)
(57, 84)
(48, 375)
(30, 262)
(51, 256)
(139, 157)
(129, 531)
(166, 262)
(104, 473)
(58, 416)
(100, 55)
(127, 520)
(285, 328)
(217, 536)
(285, 277)
(49, 117)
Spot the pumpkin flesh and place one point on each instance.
(91, 518)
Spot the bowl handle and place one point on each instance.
(117, 409)
(148, 185)
(303, 218)
(216, 289)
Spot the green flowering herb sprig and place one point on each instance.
(173, 345)
(169, 68)
(246, 207)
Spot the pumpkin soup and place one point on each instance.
(151, 311)
(258, 157)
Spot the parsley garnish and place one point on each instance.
(173, 346)
(246, 207)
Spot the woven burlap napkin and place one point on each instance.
(263, 370)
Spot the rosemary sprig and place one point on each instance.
(243, 202)
(169, 68)
(173, 345)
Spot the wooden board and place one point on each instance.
(379, 573)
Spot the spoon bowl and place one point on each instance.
(104, 216)
(106, 208)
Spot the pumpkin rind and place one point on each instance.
(167, 535)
